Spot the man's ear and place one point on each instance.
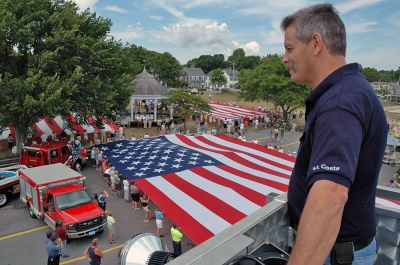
(316, 43)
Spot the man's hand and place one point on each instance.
(319, 223)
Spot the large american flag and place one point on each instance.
(203, 183)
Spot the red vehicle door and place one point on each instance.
(50, 213)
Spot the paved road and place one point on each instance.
(22, 238)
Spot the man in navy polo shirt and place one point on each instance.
(332, 188)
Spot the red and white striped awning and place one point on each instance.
(57, 124)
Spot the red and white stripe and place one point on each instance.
(206, 200)
(228, 112)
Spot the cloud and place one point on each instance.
(187, 34)
(361, 27)
(376, 58)
(252, 48)
(158, 18)
(132, 32)
(273, 8)
(169, 8)
(355, 4)
(83, 4)
(115, 8)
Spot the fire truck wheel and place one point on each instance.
(31, 213)
(3, 198)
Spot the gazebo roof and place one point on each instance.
(147, 87)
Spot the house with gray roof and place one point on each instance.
(195, 77)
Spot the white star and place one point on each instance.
(165, 158)
(176, 166)
(193, 162)
(148, 163)
(155, 151)
(158, 170)
(144, 168)
(144, 153)
(178, 160)
(208, 161)
(147, 148)
(128, 157)
(162, 164)
(139, 174)
(139, 157)
(119, 145)
(104, 148)
(115, 156)
(123, 161)
(168, 151)
(193, 158)
(181, 155)
(135, 162)
(131, 168)
(152, 157)
(195, 154)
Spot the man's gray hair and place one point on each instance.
(323, 19)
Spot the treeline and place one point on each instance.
(373, 75)
(238, 60)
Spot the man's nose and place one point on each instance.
(285, 59)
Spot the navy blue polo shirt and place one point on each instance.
(343, 141)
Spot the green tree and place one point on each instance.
(371, 74)
(166, 67)
(217, 78)
(185, 104)
(271, 81)
(240, 61)
(208, 62)
(56, 60)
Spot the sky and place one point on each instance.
(190, 28)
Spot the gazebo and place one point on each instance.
(148, 88)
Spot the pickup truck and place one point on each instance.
(56, 193)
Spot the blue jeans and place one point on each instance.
(364, 256)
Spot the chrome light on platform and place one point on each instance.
(145, 249)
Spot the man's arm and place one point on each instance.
(98, 252)
(319, 223)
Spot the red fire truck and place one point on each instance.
(51, 153)
(57, 193)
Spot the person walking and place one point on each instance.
(135, 194)
(176, 236)
(159, 221)
(144, 200)
(110, 226)
(62, 235)
(53, 251)
(125, 183)
(332, 189)
(94, 253)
